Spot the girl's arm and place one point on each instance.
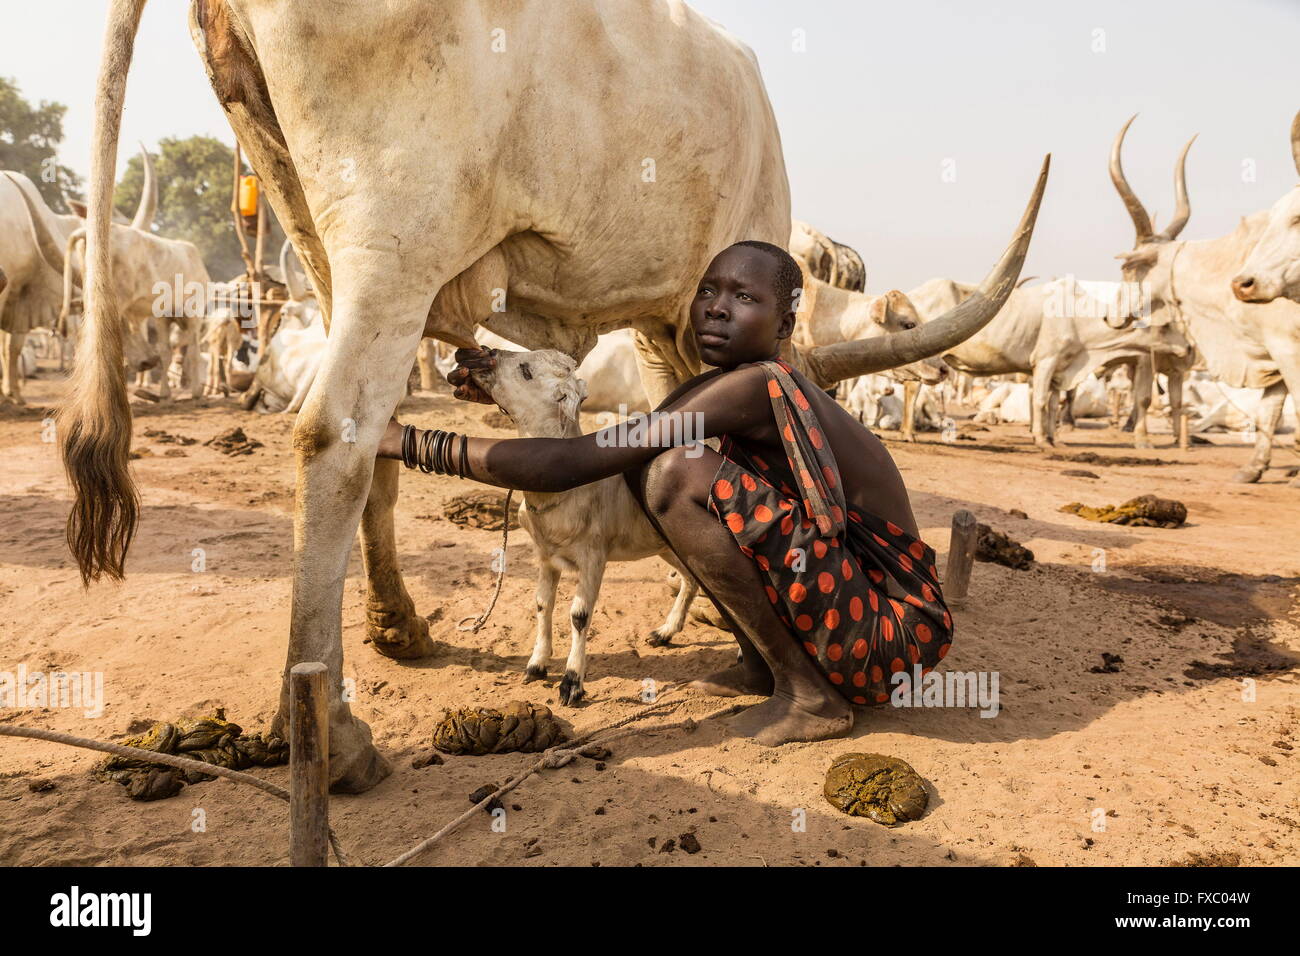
(732, 402)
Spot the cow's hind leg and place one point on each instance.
(392, 625)
(335, 439)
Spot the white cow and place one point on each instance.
(1057, 333)
(478, 174)
(1273, 268)
(1219, 407)
(1244, 345)
(153, 278)
(32, 289)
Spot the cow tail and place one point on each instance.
(94, 423)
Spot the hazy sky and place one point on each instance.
(885, 98)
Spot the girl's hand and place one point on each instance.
(461, 377)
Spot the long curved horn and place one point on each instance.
(1182, 208)
(148, 196)
(1295, 141)
(288, 267)
(46, 244)
(1137, 212)
(834, 363)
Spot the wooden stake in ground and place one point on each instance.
(308, 766)
(961, 556)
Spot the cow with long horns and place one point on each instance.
(1244, 345)
(458, 182)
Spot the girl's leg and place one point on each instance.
(673, 490)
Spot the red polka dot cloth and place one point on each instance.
(858, 592)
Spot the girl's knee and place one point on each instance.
(677, 477)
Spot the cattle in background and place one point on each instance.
(1244, 345)
(1055, 332)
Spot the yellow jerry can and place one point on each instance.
(248, 189)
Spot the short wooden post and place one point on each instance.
(308, 766)
(961, 556)
(1184, 430)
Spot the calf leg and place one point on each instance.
(687, 589)
(590, 574)
(548, 580)
(392, 625)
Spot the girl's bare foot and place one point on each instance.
(735, 681)
(781, 720)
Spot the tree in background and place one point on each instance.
(29, 138)
(194, 186)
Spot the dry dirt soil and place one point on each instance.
(1184, 755)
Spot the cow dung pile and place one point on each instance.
(884, 789)
(478, 509)
(212, 739)
(999, 548)
(1145, 511)
(519, 727)
(234, 442)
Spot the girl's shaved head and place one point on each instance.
(786, 276)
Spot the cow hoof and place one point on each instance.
(659, 640)
(1248, 476)
(355, 764)
(532, 673)
(571, 692)
(1294, 482)
(1142, 443)
(402, 635)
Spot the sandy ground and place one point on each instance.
(1170, 760)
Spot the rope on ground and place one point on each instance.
(181, 763)
(501, 576)
(560, 755)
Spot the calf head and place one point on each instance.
(540, 390)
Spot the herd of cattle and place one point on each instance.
(1056, 351)
(561, 223)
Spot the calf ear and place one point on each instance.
(880, 310)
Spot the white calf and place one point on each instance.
(578, 530)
